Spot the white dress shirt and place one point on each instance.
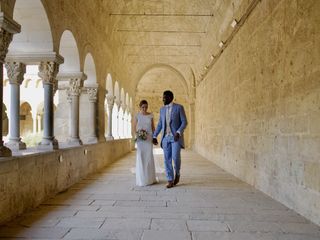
(168, 118)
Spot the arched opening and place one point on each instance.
(87, 111)
(122, 114)
(116, 109)
(154, 82)
(35, 35)
(69, 50)
(40, 111)
(109, 89)
(26, 121)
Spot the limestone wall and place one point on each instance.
(258, 110)
(27, 181)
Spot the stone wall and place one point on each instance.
(26, 181)
(258, 110)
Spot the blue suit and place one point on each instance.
(171, 149)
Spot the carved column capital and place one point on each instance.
(15, 72)
(75, 87)
(92, 92)
(48, 72)
(118, 104)
(124, 107)
(5, 40)
(110, 100)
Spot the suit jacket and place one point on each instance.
(178, 122)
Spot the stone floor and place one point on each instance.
(208, 204)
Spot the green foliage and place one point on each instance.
(32, 139)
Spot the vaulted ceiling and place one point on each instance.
(137, 35)
(180, 33)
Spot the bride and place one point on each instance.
(144, 126)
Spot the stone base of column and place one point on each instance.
(91, 140)
(109, 138)
(48, 144)
(4, 151)
(74, 142)
(16, 145)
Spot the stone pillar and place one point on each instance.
(74, 91)
(5, 39)
(124, 107)
(110, 103)
(118, 106)
(92, 93)
(48, 72)
(15, 72)
(39, 122)
(34, 122)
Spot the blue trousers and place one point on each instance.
(171, 150)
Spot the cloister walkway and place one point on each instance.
(208, 204)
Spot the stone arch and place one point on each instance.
(116, 91)
(85, 105)
(69, 50)
(164, 66)
(90, 70)
(122, 96)
(35, 35)
(26, 121)
(116, 108)
(156, 79)
(40, 110)
(109, 84)
(109, 89)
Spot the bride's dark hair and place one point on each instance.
(143, 102)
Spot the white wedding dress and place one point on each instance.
(145, 168)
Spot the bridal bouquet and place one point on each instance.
(142, 134)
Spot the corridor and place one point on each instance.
(208, 204)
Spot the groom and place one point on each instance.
(172, 123)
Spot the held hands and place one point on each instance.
(155, 141)
(176, 137)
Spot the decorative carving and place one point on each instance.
(15, 72)
(124, 107)
(110, 100)
(92, 92)
(48, 72)
(5, 40)
(75, 87)
(118, 104)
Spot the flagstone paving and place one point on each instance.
(208, 204)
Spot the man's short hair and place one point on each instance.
(168, 93)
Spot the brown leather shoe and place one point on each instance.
(170, 184)
(176, 180)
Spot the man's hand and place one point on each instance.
(176, 137)
(155, 141)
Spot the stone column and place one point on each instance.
(110, 103)
(15, 72)
(118, 106)
(48, 72)
(124, 107)
(74, 91)
(92, 93)
(39, 122)
(5, 39)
